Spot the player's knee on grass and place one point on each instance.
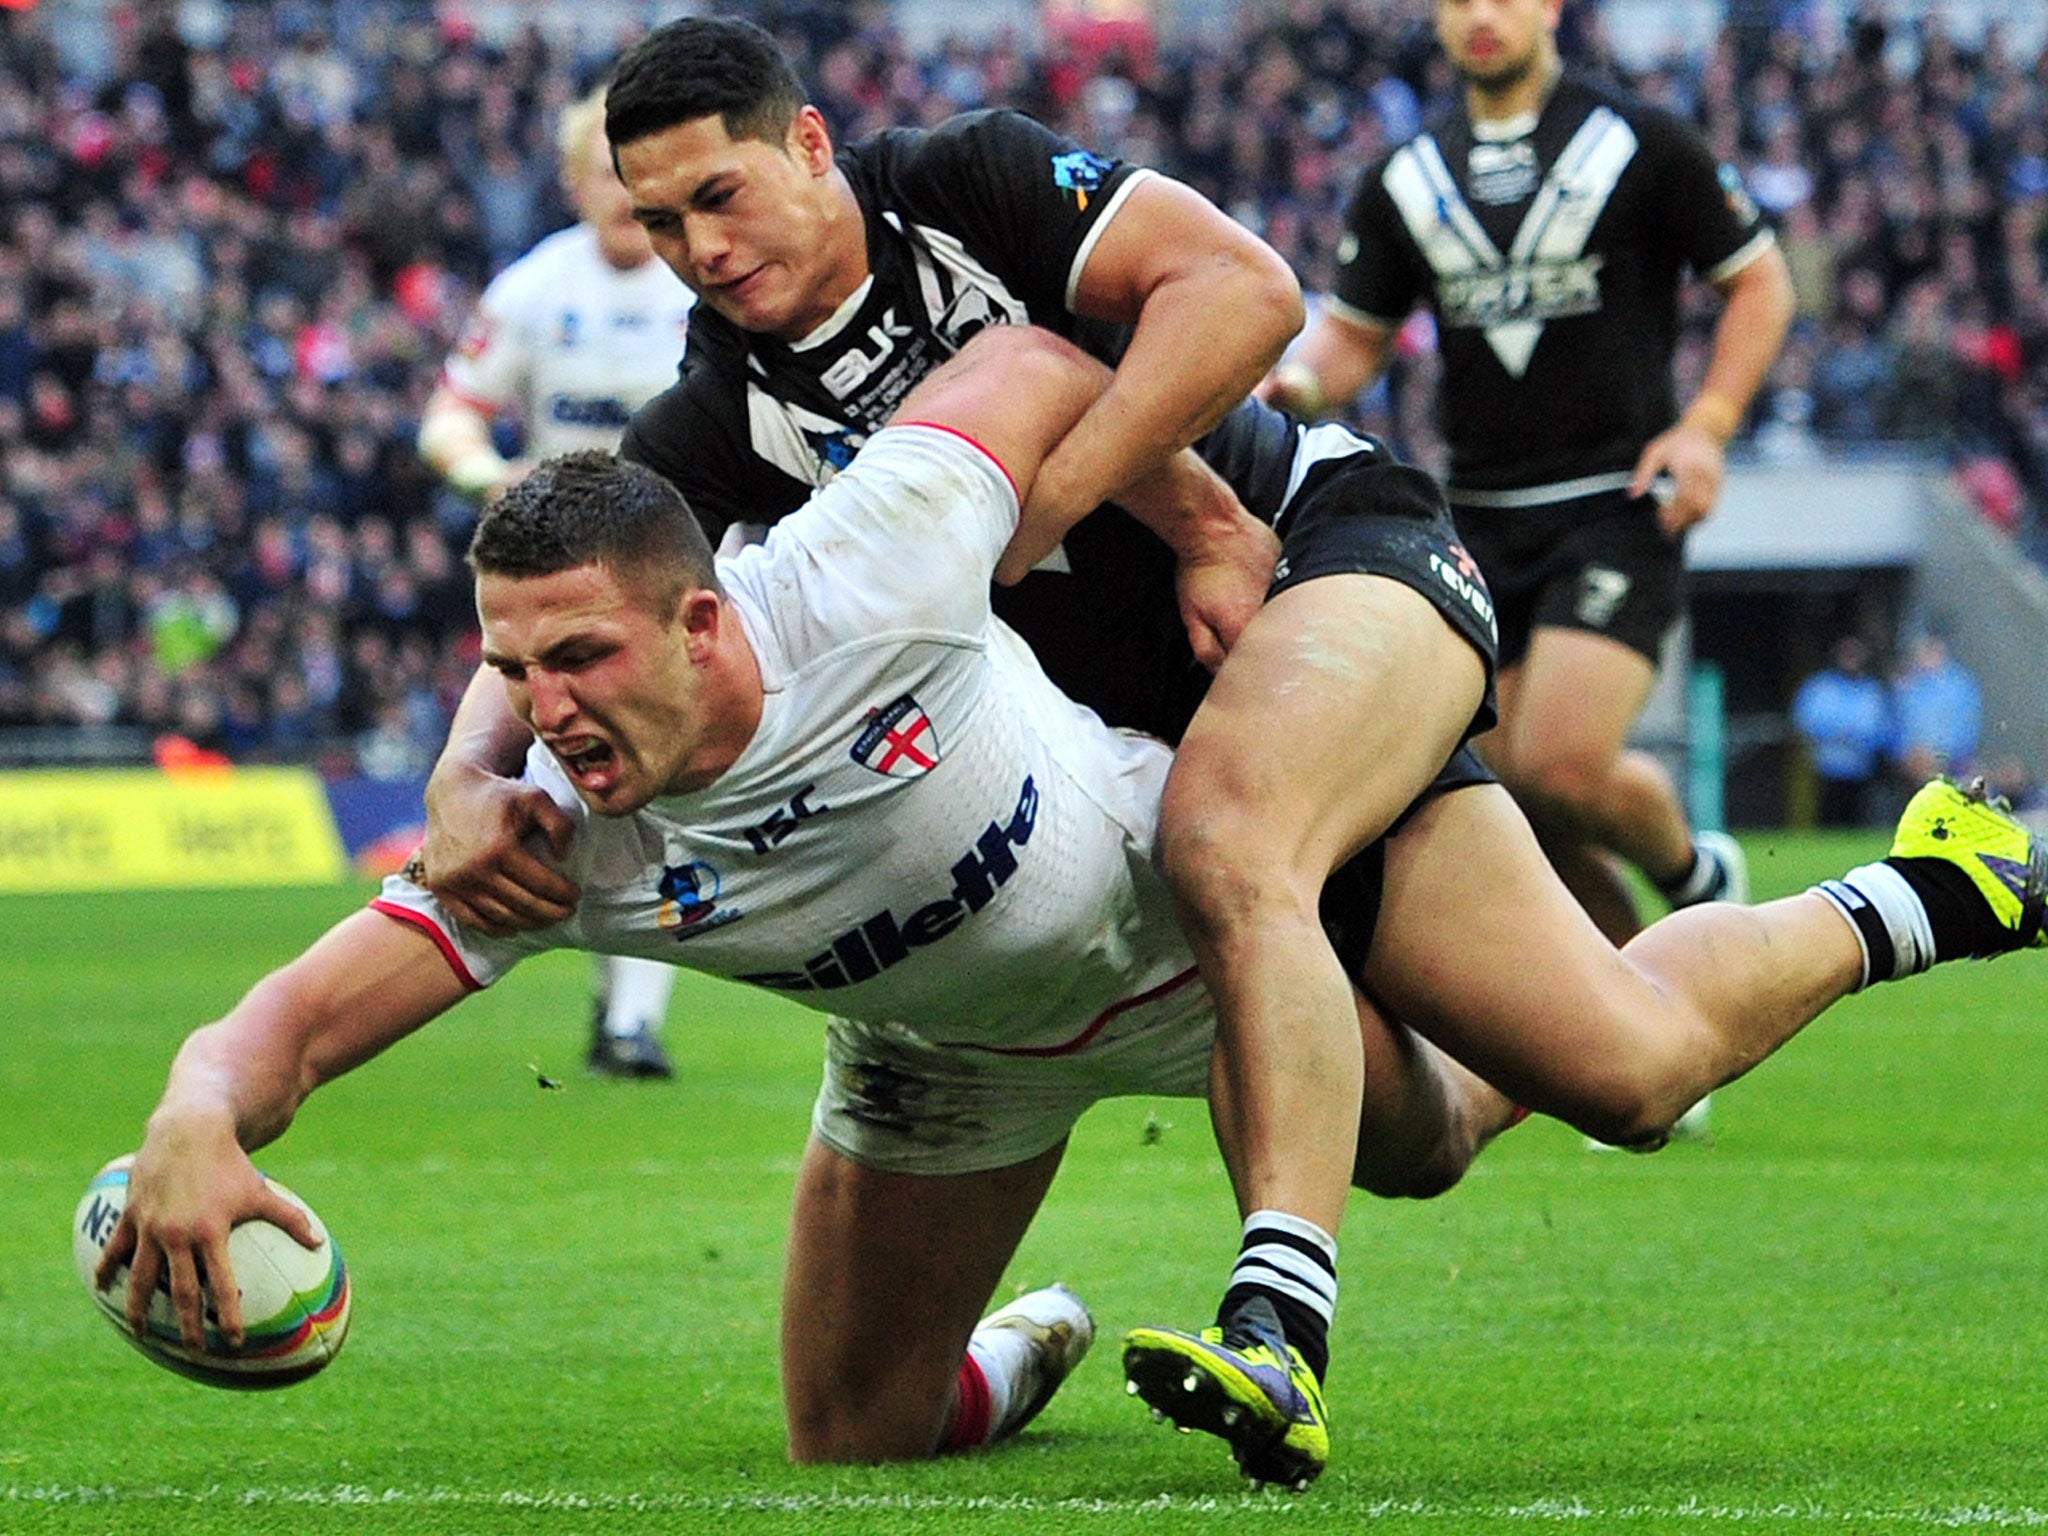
(893, 1420)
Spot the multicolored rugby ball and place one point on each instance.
(295, 1301)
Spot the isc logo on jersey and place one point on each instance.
(877, 943)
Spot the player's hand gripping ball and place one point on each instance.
(295, 1301)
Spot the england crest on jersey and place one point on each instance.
(898, 740)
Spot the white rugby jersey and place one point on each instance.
(571, 343)
(923, 831)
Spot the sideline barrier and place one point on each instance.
(139, 829)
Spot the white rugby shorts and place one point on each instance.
(898, 1102)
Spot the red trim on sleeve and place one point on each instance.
(432, 930)
(940, 426)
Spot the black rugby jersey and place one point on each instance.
(1553, 263)
(985, 220)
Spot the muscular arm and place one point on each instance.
(1016, 391)
(235, 1086)
(1168, 264)
(1336, 357)
(1751, 329)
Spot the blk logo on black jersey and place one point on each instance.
(855, 365)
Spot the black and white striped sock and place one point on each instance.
(1291, 1265)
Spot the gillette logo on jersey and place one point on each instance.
(898, 740)
(876, 944)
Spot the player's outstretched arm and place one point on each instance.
(1323, 372)
(479, 860)
(235, 1086)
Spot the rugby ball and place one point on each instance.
(295, 1301)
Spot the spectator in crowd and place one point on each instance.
(1938, 706)
(1844, 716)
(297, 211)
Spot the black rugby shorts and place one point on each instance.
(1362, 515)
(1599, 564)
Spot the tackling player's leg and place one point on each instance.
(1964, 879)
(1340, 703)
(1506, 973)
(1244, 1384)
(1423, 1119)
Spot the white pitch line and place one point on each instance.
(1542, 1512)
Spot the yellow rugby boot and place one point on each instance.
(1977, 833)
(1250, 1389)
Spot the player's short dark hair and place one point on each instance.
(594, 508)
(703, 66)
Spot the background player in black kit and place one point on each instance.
(830, 283)
(1547, 221)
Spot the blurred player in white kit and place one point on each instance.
(569, 340)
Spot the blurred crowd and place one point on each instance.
(230, 268)
(1873, 740)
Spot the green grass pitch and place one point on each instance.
(566, 1301)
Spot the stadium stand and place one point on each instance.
(229, 264)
